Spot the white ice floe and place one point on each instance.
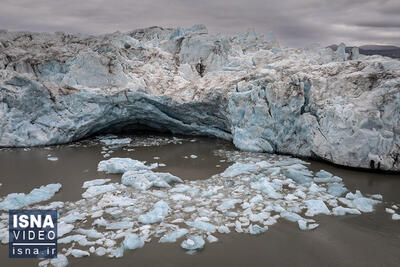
(157, 214)
(120, 141)
(193, 156)
(77, 253)
(52, 158)
(121, 165)
(173, 236)
(132, 241)
(20, 200)
(145, 179)
(194, 242)
(395, 216)
(95, 182)
(95, 190)
(315, 207)
(204, 226)
(339, 211)
(256, 229)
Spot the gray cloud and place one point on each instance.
(294, 22)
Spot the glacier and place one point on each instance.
(247, 88)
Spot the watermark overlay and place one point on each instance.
(32, 233)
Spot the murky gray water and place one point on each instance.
(364, 240)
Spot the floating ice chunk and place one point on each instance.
(273, 171)
(303, 225)
(110, 200)
(173, 236)
(340, 211)
(180, 188)
(193, 242)
(377, 196)
(212, 239)
(315, 188)
(228, 204)
(395, 216)
(395, 207)
(64, 228)
(256, 199)
(121, 165)
(80, 239)
(180, 197)
(238, 227)
(291, 216)
(132, 241)
(77, 253)
(119, 225)
(256, 229)
(95, 182)
(336, 190)
(98, 190)
(73, 217)
(204, 226)
(263, 164)
(239, 169)
(136, 179)
(267, 188)
(260, 217)
(193, 156)
(389, 211)
(20, 200)
(59, 261)
(52, 158)
(100, 251)
(91, 233)
(223, 229)
(157, 214)
(323, 174)
(364, 204)
(315, 207)
(334, 179)
(121, 141)
(352, 196)
(145, 179)
(298, 174)
(100, 222)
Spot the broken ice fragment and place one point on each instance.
(20, 200)
(315, 207)
(173, 236)
(239, 169)
(303, 225)
(256, 229)
(157, 214)
(98, 190)
(204, 226)
(77, 253)
(121, 165)
(193, 242)
(212, 239)
(121, 141)
(132, 241)
(95, 182)
(339, 211)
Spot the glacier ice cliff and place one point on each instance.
(311, 102)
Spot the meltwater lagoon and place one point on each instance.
(189, 199)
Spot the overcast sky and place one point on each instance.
(294, 22)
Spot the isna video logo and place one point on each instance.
(33, 233)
